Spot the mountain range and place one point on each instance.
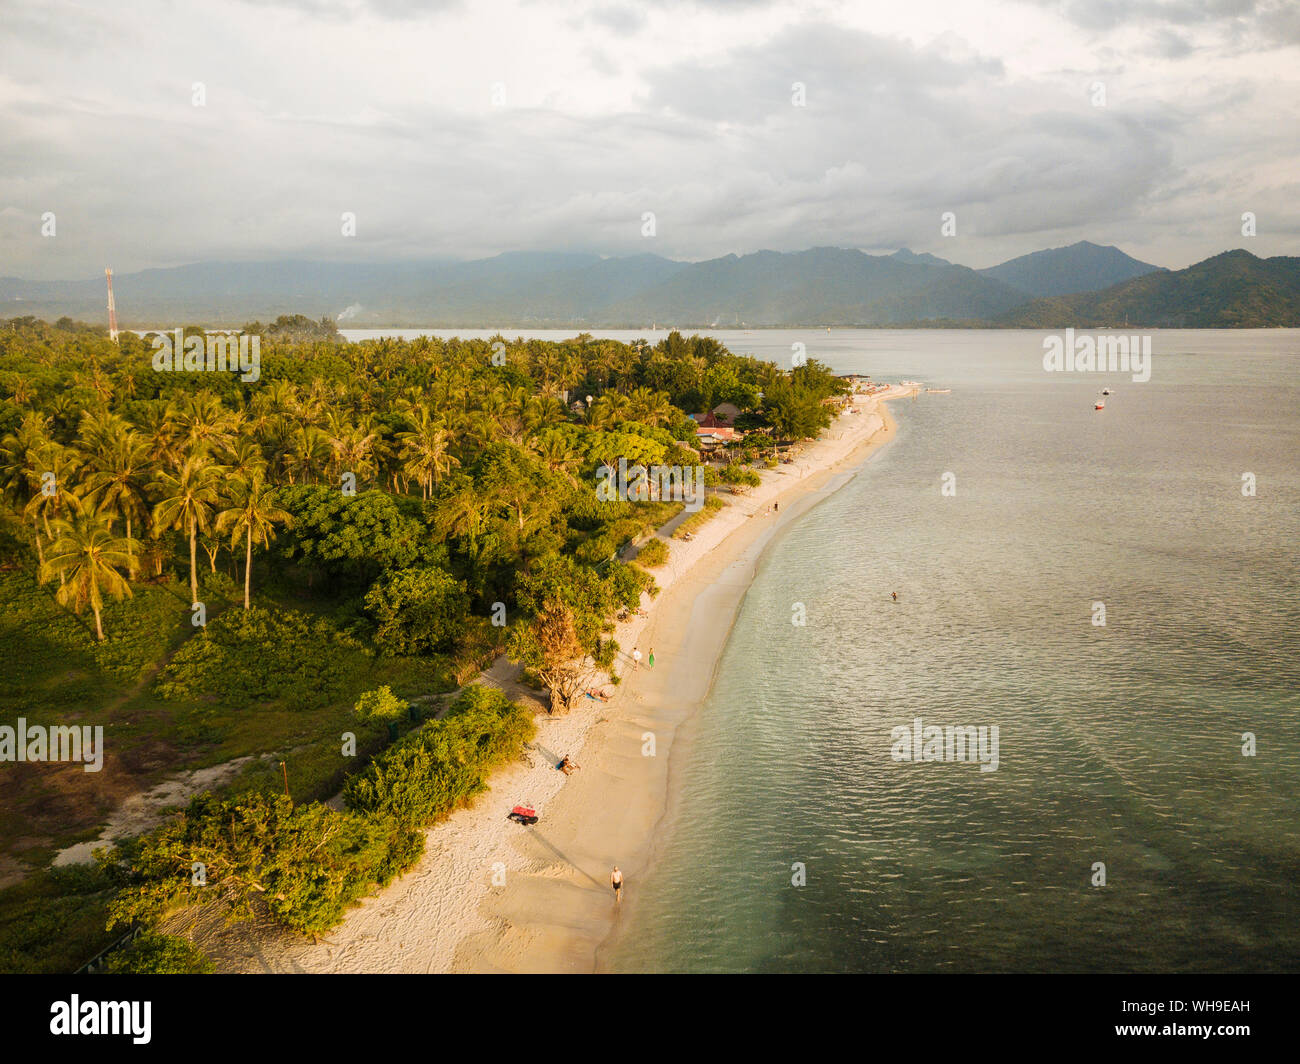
(1083, 284)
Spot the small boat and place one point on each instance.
(1101, 404)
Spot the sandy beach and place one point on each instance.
(490, 895)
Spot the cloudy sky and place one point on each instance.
(464, 129)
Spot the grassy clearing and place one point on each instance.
(279, 685)
(712, 506)
(653, 553)
(54, 921)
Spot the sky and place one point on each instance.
(162, 132)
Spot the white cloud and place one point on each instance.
(385, 109)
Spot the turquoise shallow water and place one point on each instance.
(1118, 744)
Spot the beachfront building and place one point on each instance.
(717, 426)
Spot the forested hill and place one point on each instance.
(1081, 267)
(1073, 285)
(1231, 290)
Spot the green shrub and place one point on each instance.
(444, 764)
(306, 864)
(264, 655)
(417, 611)
(653, 554)
(153, 953)
(381, 704)
(736, 473)
(712, 504)
(53, 921)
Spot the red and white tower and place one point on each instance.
(112, 307)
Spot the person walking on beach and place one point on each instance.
(616, 881)
(651, 659)
(636, 658)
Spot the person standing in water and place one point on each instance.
(616, 881)
(895, 594)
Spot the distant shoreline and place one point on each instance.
(974, 326)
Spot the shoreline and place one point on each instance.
(558, 913)
(555, 911)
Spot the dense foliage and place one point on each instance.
(470, 463)
(152, 953)
(254, 657)
(417, 611)
(653, 554)
(305, 864)
(444, 764)
(219, 566)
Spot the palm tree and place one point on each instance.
(16, 480)
(15, 449)
(425, 453)
(154, 420)
(87, 556)
(244, 457)
(253, 515)
(23, 392)
(541, 411)
(351, 444)
(556, 453)
(649, 407)
(308, 455)
(607, 410)
(51, 470)
(118, 478)
(188, 498)
(462, 514)
(203, 422)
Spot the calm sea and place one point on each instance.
(1119, 745)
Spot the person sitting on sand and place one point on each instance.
(567, 766)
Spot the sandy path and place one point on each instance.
(451, 912)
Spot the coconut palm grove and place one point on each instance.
(233, 574)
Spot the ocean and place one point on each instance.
(1121, 746)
